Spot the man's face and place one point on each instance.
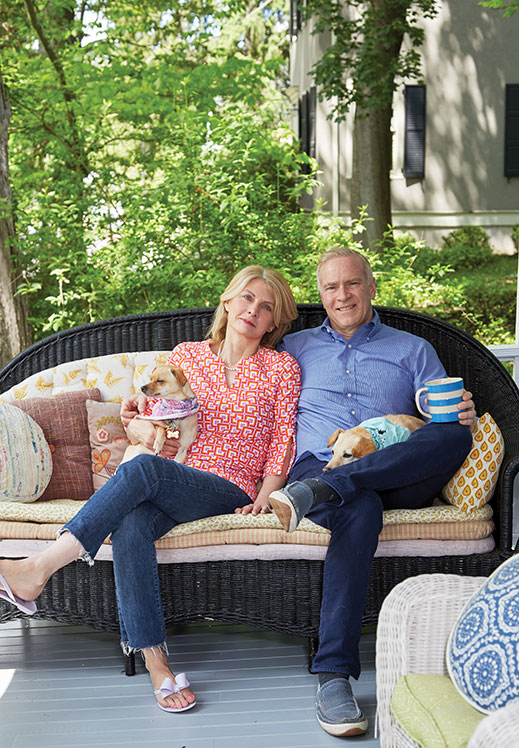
(346, 294)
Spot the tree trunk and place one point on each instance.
(371, 165)
(14, 330)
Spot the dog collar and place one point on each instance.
(385, 432)
(168, 410)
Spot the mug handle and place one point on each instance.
(417, 401)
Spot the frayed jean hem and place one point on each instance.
(128, 649)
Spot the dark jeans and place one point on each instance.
(147, 497)
(403, 476)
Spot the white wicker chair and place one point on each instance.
(413, 628)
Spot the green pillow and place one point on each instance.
(431, 711)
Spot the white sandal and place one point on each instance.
(168, 688)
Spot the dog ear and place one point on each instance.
(333, 438)
(179, 374)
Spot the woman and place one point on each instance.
(248, 395)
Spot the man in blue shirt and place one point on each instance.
(353, 368)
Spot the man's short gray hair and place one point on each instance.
(343, 252)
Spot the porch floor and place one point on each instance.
(64, 686)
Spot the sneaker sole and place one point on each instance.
(343, 729)
(284, 511)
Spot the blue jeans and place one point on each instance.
(406, 475)
(147, 497)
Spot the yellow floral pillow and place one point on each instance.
(473, 484)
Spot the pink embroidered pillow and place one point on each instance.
(108, 440)
(63, 420)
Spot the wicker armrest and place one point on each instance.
(498, 730)
(413, 628)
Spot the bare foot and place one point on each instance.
(157, 665)
(22, 578)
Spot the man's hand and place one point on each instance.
(467, 415)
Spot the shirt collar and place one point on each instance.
(364, 333)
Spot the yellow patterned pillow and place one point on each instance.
(473, 484)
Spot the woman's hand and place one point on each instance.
(467, 416)
(260, 506)
(143, 432)
(132, 406)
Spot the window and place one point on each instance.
(414, 143)
(512, 130)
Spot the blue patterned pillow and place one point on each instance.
(483, 648)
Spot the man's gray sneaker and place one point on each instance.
(337, 710)
(290, 504)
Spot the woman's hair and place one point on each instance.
(285, 310)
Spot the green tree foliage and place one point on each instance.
(509, 7)
(363, 64)
(150, 158)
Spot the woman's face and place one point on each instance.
(251, 312)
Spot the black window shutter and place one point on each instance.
(295, 18)
(312, 102)
(303, 122)
(307, 129)
(512, 130)
(414, 143)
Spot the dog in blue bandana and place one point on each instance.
(369, 436)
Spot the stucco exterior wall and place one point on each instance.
(469, 55)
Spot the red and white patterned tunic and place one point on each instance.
(244, 430)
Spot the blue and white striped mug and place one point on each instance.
(443, 396)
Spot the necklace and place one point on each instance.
(227, 368)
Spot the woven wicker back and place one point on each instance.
(493, 388)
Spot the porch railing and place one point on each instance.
(510, 353)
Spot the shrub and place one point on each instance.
(468, 246)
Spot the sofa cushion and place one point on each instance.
(431, 712)
(108, 440)
(115, 375)
(483, 647)
(25, 457)
(473, 484)
(63, 419)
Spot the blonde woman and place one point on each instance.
(247, 394)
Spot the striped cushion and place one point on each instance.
(25, 457)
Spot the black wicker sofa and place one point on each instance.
(282, 595)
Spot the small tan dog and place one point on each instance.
(376, 433)
(177, 406)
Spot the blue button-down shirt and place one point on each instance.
(345, 382)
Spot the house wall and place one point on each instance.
(469, 54)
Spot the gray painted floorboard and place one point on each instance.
(64, 686)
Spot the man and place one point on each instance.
(353, 367)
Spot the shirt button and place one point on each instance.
(349, 345)
(347, 371)
(349, 394)
(352, 412)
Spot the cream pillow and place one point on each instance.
(25, 457)
(473, 484)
